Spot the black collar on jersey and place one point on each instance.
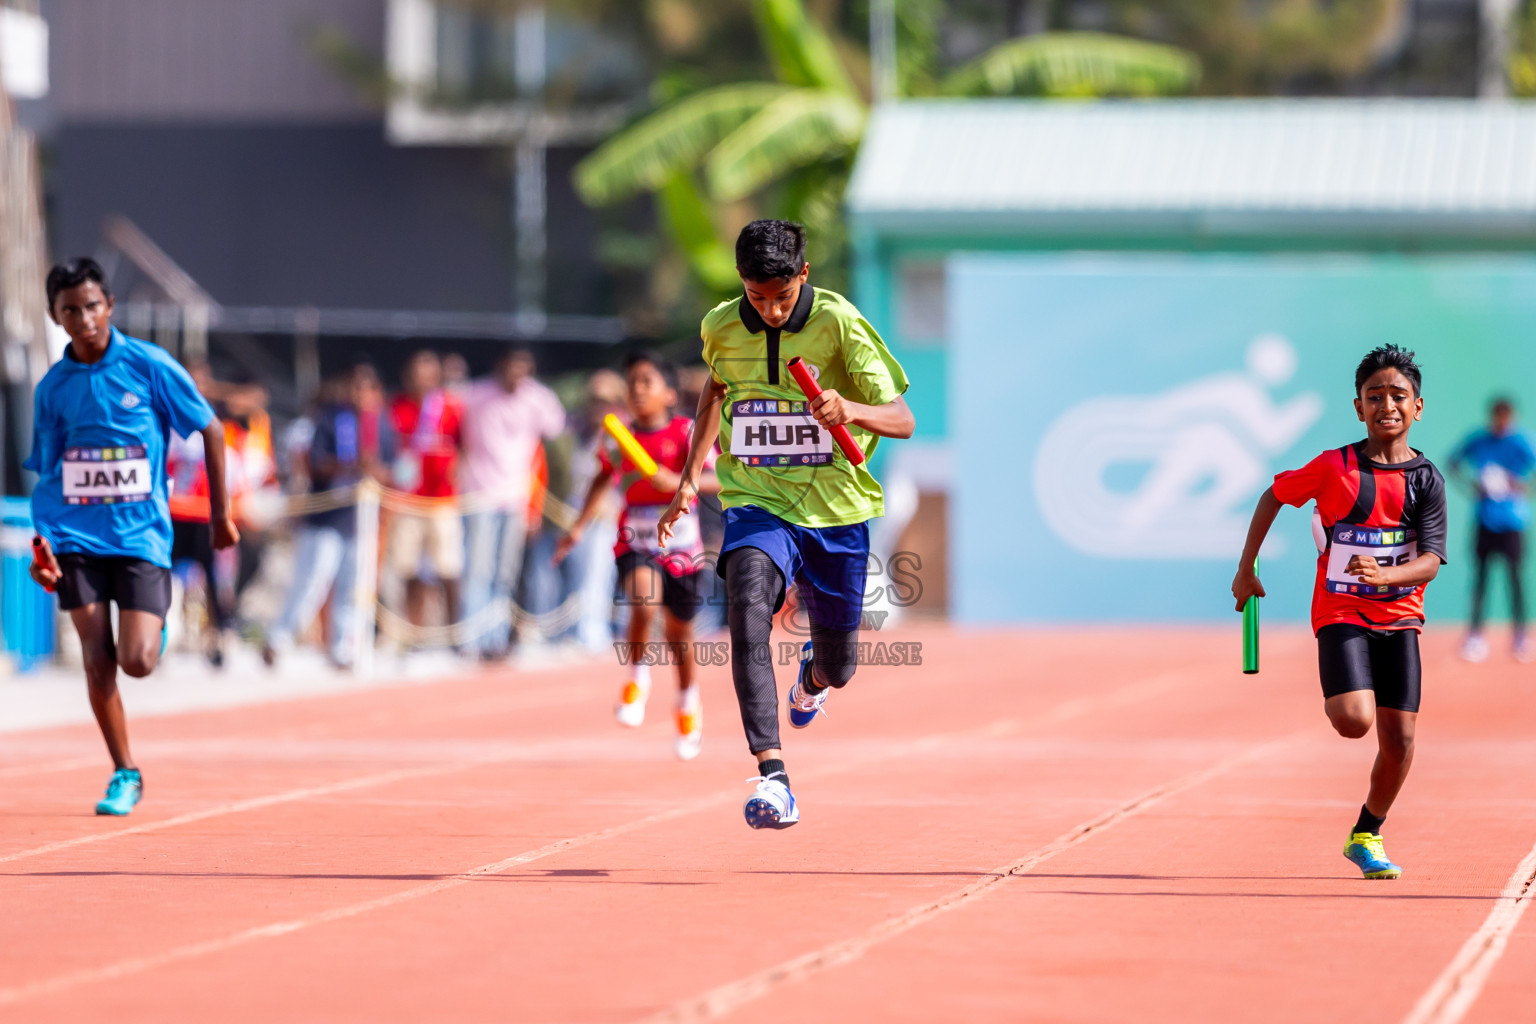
(1365, 498)
(794, 325)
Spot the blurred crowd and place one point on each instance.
(478, 477)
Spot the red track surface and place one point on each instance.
(1090, 826)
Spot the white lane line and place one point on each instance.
(1459, 985)
(1066, 711)
(719, 1001)
(136, 965)
(237, 806)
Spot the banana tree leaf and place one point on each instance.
(797, 129)
(686, 213)
(646, 155)
(1076, 64)
(801, 51)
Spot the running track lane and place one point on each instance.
(492, 848)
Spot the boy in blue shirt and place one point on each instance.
(1497, 462)
(103, 415)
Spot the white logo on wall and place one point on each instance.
(1191, 459)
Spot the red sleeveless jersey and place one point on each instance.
(1393, 512)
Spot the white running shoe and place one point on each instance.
(771, 805)
(804, 706)
(1474, 648)
(690, 726)
(631, 709)
(1525, 650)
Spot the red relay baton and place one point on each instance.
(37, 559)
(840, 433)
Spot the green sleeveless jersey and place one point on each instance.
(774, 453)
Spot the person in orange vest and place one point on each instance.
(189, 501)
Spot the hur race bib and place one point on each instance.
(106, 476)
(1394, 546)
(771, 432)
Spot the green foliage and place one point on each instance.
(797, 129)
(1522, 57)
(675, 139)
(801, 51)
(687, 216)
(1248, 47)
(1076, 64)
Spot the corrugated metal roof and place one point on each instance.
(1261, 163)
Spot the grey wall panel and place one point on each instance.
(324, 215)
(204, 59)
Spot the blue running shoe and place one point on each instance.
(1365, 852)
(125, 790)
(771, 805)
(804, 706)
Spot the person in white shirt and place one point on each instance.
(506, 418)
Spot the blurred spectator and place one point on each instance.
(456, 376)
(589, 568)
(508, 416)
(248, 466)
(1498, 462)
(352, 439)
(428, 421)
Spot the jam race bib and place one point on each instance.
(771, 432)
(106, 476)
(1394, 546)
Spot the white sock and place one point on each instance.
(641, 675)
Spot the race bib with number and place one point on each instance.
(1388, 546)
(639, 531)
(770, 432)
(106, 476)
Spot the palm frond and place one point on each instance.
(686, 214)
(801, 51)
(1076, 64)
(798, 128)
(649, 153)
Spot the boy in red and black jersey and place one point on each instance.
(1379, 523)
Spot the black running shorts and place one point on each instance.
(1385, 661)
(136, 585)
(679, 594)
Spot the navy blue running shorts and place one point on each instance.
(830, 564)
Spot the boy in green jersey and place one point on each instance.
(795, 508)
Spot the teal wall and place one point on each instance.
(1113, 417)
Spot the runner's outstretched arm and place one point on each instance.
(1246, 583)
(595, 492)
(706, 428)
(220, 521)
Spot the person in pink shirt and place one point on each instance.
(506, 418)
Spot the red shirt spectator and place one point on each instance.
(430, 429)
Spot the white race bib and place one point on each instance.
(106, 476)
(1395, 546)
(640, 522)
(770, 432)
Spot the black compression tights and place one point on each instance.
(755, 588)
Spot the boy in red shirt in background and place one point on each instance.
(428, 421)
(1380, 529)
(647, 574)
